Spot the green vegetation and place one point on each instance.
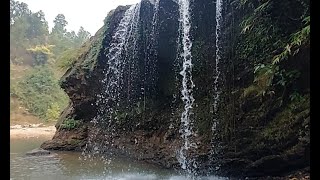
(67, 58)
(298, 39)
(268, 56)
(264, 36)
(282, 129)
(40, 93)
(38, 58)
(40, 54)
(69, 124)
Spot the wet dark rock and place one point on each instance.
(260, 136)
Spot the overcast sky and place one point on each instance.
(87, 13)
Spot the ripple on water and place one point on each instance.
(68, 165)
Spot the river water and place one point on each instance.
(68, 165)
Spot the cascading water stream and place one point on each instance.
(187, 163)
(108, 101)
(155, 20)
(215, 146)
(218, 52)
(150, 51)
(118, 49)
(121, 60)
(130, 54)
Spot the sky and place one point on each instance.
(87, 13)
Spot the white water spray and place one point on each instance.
(118, 49)
(218, 58)
(108, 101)
(150, 60)
(218, 52)
(215, 145)
(187, 85)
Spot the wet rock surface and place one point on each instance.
(259, 136)
(38, 152)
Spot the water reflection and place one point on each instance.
(68, 165)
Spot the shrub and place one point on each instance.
(40, 93)
(69, 123)
(53, 112)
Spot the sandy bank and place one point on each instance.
(31, 131)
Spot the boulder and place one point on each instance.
(38, 152)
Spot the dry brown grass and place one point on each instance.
(20, 116)
(18, 71)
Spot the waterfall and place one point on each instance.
(151, 53)
(187, 163)
(218, 53)
(108, 101)
(123, 40)
(215, 146)
(118, 48)
(130, 56)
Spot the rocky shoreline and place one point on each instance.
(154, 148)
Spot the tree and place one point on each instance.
(18, 10)
(26, 29)
(12, 11)
(40, 93)
(41, 54)
(82, 36)
(38, 29)
(71, 36)
(60, 24)
(58, 36)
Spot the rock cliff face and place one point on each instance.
(257, 135)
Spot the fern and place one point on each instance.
(262, 7)
(298, 39)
